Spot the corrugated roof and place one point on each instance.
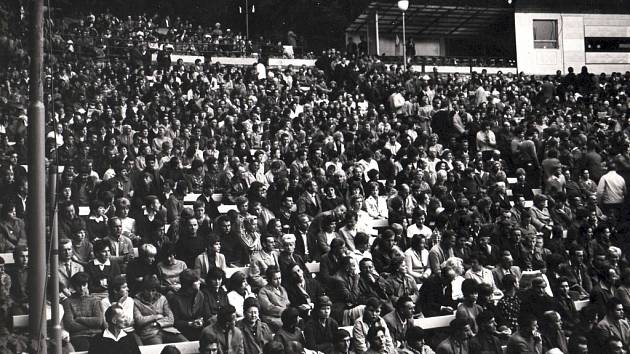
(434, 18)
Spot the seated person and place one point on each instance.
(399, 320)
(229, 337)
(260, 261)
(140, 267)
(211, 258)
(189, 306)
(400, 282)
(118, 293)
(370, 318)
(435, 297)
(101, 270)
(302, 290)
(153, 316)
(238, 291)
(168, 270)
(256, 333)
(19, 273)
(214, 292)
(344, 292)
(114, 339)
(288, 257)
(319, 330)
(273, 299)
(82, 313)
(469, 309)
(290, 332)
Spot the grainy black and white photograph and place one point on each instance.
(314, 177)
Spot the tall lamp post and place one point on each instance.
(403, 5)
(247, 10)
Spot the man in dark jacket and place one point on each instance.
(435, 296)
(320, 328)
(486, 340)
(114, 339)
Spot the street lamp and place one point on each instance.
(247, 11)
(403, 5)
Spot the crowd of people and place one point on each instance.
(105, 35)
(397, 184)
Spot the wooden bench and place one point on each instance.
(8, 258)
(84, 210)
(230, 271)
(191, 198)
(434, 322)
(184, 348)
(580, 304)
(223, 209)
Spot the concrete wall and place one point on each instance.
(572, 28)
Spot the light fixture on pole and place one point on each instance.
(403, 5)
(247, 11)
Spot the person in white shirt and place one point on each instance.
(481, 274)
(375, 207)
(419, 228)
(119, 294)
(611, 190)
(417, 259)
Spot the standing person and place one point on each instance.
(320, 329)
(228, 336)
(527, 339)
(114, 339)
(255, 332)
(611, 191)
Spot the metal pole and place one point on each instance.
(404, 44)
(36, 206)
(378, 41)
(246, 19)
(54, 264)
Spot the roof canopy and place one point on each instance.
(426, 18)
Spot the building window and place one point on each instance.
(545, 34)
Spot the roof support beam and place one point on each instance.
(470, 18)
